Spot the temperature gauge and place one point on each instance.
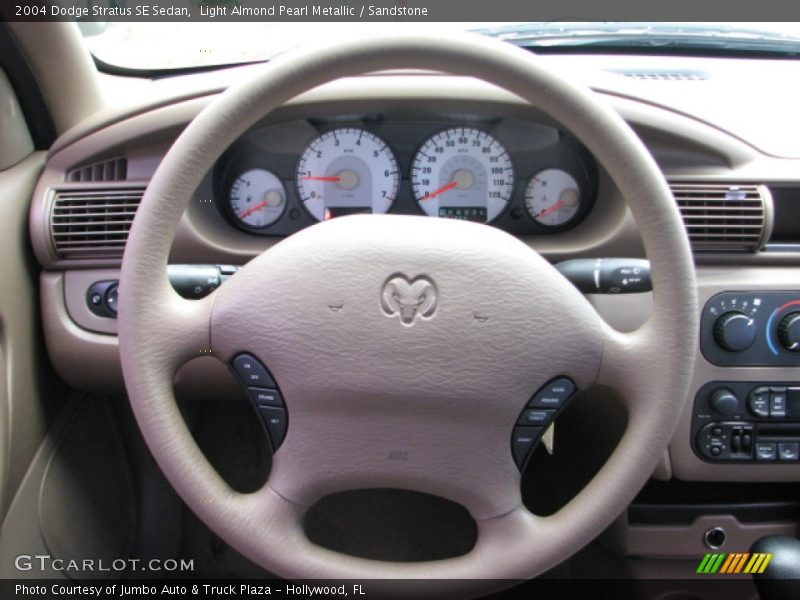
(552, 198)
(257, 199)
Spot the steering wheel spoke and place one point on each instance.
(181, 329)
(623, 365)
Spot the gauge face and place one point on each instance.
(552, 198)
(346, 171)
(257, 198)
(463, 173)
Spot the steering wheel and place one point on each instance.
(441, 389)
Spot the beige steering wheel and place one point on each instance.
(444, 390)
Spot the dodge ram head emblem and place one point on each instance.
(409, 299)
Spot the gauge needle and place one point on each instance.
(441, 190)
(551, 209)
(333, 178)
(253, 209)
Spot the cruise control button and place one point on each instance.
(264, 397)
(758, 402)
(275, 420)
(788, 451)
(765, 451)
(553, 395)
(523, 440)
(535, 417)
(252, 372)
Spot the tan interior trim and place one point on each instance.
(70, 91)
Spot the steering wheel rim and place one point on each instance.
(159, 331)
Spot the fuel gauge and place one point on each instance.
(552, 198)
(257, 198)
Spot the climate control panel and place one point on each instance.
(743, 421)
(752, 329)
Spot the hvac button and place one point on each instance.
(275, 420)
(264, 397)
(252, 372)
(522, 442)
(553, 395)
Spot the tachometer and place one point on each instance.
(257, 198)
(463, 173)
(346, 171)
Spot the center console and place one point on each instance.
(756, 420)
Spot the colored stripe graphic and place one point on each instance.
(711, 563)
(703, 564)
(755, 560)
(763, 566)
(732, 558)
(740, 563)
(734, 563)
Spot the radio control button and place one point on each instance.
(765, 451)
(789, 451)
(724, 402)
(759, 401)
(777, 403)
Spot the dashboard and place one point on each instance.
(363, 144)
(521, 176)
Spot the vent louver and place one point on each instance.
(92, 223)
(723, 217)
(115, 169)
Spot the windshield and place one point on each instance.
(157, 46)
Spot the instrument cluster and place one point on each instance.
(524, 177)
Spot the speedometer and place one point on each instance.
(345, 171)
(463, 173)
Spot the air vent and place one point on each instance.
(92, 223)
(663, 75)
(723, 217)
(115, 169)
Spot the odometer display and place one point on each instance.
(464, 213)
(345, 171)
(463, 173)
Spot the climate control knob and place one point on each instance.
(734, 331)
(789, 332)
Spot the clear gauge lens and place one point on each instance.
(552, 198)
(463, 173)
(257, 198)
(347, 171)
